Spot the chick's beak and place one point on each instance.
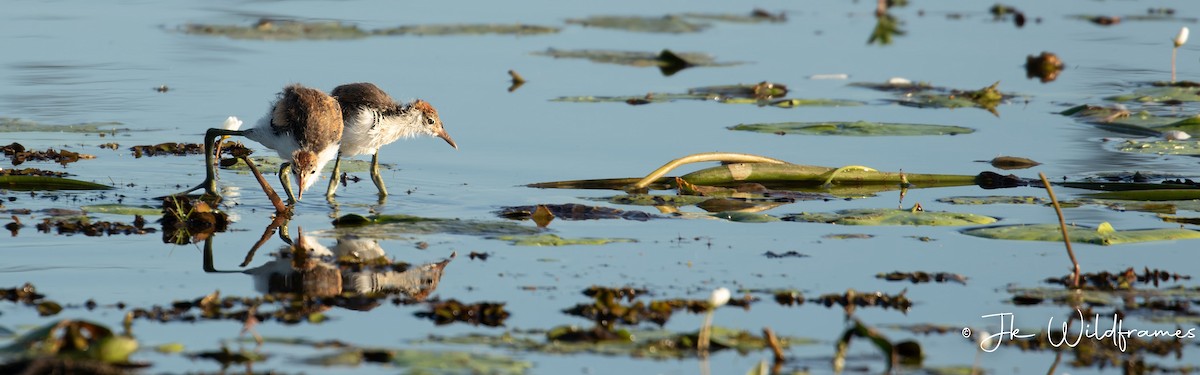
(300, 186)
(441, 133)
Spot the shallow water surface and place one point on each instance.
(69, 62)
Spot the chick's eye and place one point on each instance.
(429, 121)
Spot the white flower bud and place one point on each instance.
(719, 297)
(1182, 37)
(232, 123)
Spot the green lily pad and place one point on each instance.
(121, 209)
(859, 128)
(745, 217)
(555, 240)
(74, 339)
(467, 29)
(757, 16)
(42, 183)
(15, 125)
(1141, 123)
(654, 200)
(671, 24)
(994, 199)
(1148, 195)
(986, 98)
(1160, 147)
(1159, 95)
(270, 29)
(891, 217)
(391, 226)
(1104, 235)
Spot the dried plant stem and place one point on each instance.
(1174, 51)
(774, 343)
(1062, 223)
(704, 337)
(729, 157)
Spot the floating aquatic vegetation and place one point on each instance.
(852, 299)
(763, 94)
(1123, 280)
(1162, 93)
(174, 148)
(44, 183)
(1011, 162)
(16, 125)
(467, 29)
(280, 29)
(228, 357)
(28, 295)
(986, 98)
(994, 199)
(1153, 14)
(891, 217)
(1142, 123)
(120, 209)
(672, 24)
(491, 314)
(654, 200)
(186, 220)
(32, 172)
(756, 16)
(93, 229)
(905, 352)
(1104, 234)
(744, 217)
(1044, 67)
(389, 226)
(1163, 194)
(555, 240)
(667, 61)
(858, 128)
(786, 254)
(425, 361)
(75, 340)
(636, 343)
(18, 154)
(572, 211)
(923, 277)
(1160, 147)
(848, 236)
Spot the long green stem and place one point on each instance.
(728, 157)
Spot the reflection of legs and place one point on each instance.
(285, 178)
(211, 147)
(333, 178)
(375, 177)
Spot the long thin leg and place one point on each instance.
(279, 207)
(210, 171)
(333, 178)
(285, 178)
(375, 177)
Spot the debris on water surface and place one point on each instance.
(18, 154)
(918, 277)
(572, 211)
(92, 229)
(1044, 67)
(852, 299)
(32, 172)
(787, 254)
(491, 314)
(181, 149)
(1124, 280)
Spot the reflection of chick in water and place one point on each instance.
(348, 270)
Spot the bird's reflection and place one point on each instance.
(355, 273)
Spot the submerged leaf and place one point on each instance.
(859, 128)
(273, 29)
(1101, 236)
(664, 24)
(41, 183)
(555, 240)
(467, 29)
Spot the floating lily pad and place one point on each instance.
(994, 199)
(389, 226)
(664, 24)
(1141, 123)
(272, 29)
(757, 16)
(1159, 95)
(573, 211)
(467, 29)
(14, 125)
(1148, 195)
(1160, 147)
(426, 362)
(1104, 235)
(986, 98)
(667, 61)
(121, 209)
(745, 217)
(859, 128)
(43, 183)
(655, 200)
(891, 217)
(555, 240)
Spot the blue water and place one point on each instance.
(76, 61)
